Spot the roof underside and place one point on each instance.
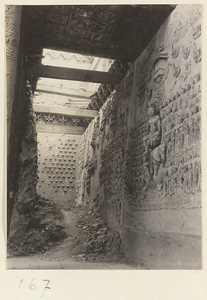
(117, 32)
(112, 31)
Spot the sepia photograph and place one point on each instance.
(103, 108)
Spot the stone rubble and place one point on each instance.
(45, 230)
(95, 241)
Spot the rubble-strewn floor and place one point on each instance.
(95, 241)
(88, 243)
(43, 228)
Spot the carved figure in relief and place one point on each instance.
(180, 178)
(197, 177)
(171, 181)
(196, 54)
(185, 52)
(175, 51)
(186, 183)
(160, 189)
(176, 70)
(191, 131)
(176, 141)
(197, 78)
(146, 165)
(178, 29)
(190, 178)
(152, 140)
(149, 94)
(187, 71)
(197, 128)
(196, 31)
(169, 148)
(166, 183)
(156, 158)
(175, 176)
(155, 154)
(160, 185)
(180, 138)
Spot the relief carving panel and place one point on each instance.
(163, 167)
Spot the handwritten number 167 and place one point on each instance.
(32, 286)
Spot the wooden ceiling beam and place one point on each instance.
(63, 94)
(76, 74)
(65, 111)
(47, 128)
(57, 86)
(83, 49)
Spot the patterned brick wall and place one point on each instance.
(57, 163)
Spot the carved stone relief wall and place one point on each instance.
(57, 164)
(163, 167)
(113, 138)
(144, 147)
(104, 91)
(102, 155)
(87, 163)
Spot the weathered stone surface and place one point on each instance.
(16, 100)
(142, 173)
(12, 36)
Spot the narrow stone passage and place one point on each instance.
(104, 136)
